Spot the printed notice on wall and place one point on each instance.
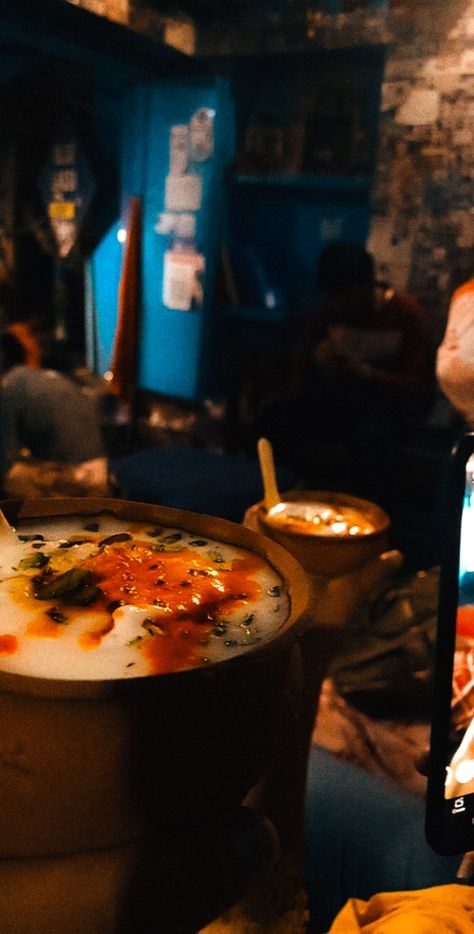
(201, 135)
(182, 280)
(179, 149)
(183, 192)
(182, 225)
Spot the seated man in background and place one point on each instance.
(361, 369)
(50, 436)
(369, 334)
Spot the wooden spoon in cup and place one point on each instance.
(271, 495)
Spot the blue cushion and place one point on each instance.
(363, 835)
(195, 479)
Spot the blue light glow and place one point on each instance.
(466, 552)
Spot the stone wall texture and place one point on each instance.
(422, 232)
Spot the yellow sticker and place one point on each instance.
(62, 210)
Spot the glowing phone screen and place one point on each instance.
(460, 764)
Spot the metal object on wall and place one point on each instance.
(67, 187)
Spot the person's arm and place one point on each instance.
(412, 375)
(408, 373)
(455, 355)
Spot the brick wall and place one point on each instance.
(423, 211)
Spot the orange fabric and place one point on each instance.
(443, 909)
(125, 349)
(464, 289)
(31, 345)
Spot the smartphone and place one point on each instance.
(450, 794)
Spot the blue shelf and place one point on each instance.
(255, 314)
(303, 182)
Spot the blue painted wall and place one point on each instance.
(287, 222)
(102, 282)
(174, 345)
(285, 218)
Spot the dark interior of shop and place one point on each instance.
(173, 176)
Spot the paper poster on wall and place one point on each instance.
(183, 226)
(393, 257)
(421, 107)
(201, 135)
(164, 223)
(179, 148)
(182, 279)
(192, 142)
(183, 192)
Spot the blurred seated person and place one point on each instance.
(365, 838)
(455, 355)
(361, 373)
(25, 327)
(50, 437)
(26, 335)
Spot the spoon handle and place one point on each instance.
(7, 532)
(267, 468)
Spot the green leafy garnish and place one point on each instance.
(84, 595)
(220, 629)
(215, 556)
(118, 537)
(56, 615)
(62, 584)
(178, 546)
(36, 560)
(135, 641)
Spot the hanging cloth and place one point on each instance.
(125, 347)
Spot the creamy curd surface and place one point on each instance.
(97, 597)
(313, 518)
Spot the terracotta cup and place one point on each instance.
(326, 555)
(95, 764)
